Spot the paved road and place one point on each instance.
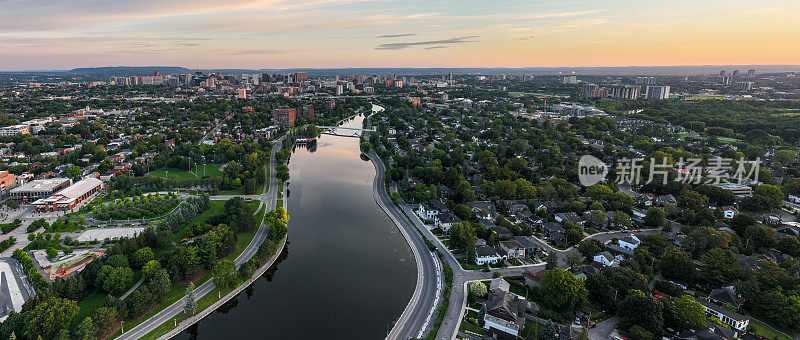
(269, 200)
(418, 315)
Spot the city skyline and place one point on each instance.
(360, 33)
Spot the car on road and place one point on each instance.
(485, 270)
(637, 231)
(592, 325)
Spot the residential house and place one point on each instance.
(724, 295)
(729, 212)
(513, 249)
(533, 279)
(630, 242)
(503, 317)
(553, 231)
(445, 221)
(735, 320)
(606, 259)
(487, 255)
(428, 210)
(666, 199)
(532, 247)
(569, 216)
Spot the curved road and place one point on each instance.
(418, 315)
(268, 201)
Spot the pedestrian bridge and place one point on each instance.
(344, 131)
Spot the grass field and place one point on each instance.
(211, 170)
(766, 331)
(217, 207)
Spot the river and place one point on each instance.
(348, 273)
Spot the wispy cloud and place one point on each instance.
(397, 35)
(404, 45)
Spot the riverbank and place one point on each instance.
(188, 322)
(415, 321)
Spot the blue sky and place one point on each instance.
(60, 34)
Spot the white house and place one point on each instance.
(735, 320)
(630, 242)
(729, 212)
(430, 209)
(486, 254)
(605, 258)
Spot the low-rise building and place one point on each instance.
(606, 259)
(70, 197)
(487, 255)
(735, 320)
(39, 188)
(513, 248)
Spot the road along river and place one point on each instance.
(347, 272)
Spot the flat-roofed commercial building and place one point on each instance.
(70, 197)
(39, 188)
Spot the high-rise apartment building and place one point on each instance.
(625, 92)
(284, 116)
(657, 92)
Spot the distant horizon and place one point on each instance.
(635, 69)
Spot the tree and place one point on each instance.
(142, 256)
(637, 309)
(190, 300)
(640, 333)
(589, 247)
(561, 291)
(225, 274)
(117, 280)
(719, 266)
(86, 329)
(151, 268)
(73, 172)
(676, 265)
(703, 239)
(690, 313)
(49, 317)
(548, 332)
(477, 288)
(773, 194)
(656, 217)
(573, 260)
(551, 262)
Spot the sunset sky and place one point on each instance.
(62, 34)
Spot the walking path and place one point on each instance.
(268, 201)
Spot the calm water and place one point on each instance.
(347, 272)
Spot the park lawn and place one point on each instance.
(87, 306)
(173, 173)
(239, 191)
(209, 170)
(766, 331)
(216, 208)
